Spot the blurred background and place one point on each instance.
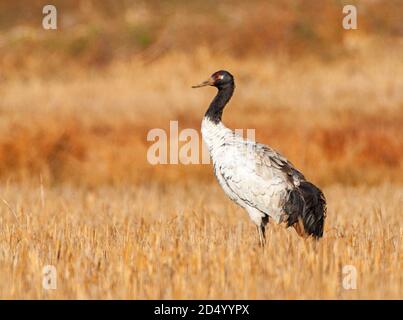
(77, 102)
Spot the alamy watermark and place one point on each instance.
(49, 21)
(349, 277)
(49, 277)
(350, 20)
(185, 146)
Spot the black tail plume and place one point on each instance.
(307, 203)
(314, 213)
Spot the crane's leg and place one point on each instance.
(262, 230)
(262, 237)
(260, 219)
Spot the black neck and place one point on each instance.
(224, 94)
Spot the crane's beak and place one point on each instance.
(208, 82)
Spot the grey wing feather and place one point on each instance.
(274, 159)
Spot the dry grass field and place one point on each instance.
(77, 191)
(189, 242)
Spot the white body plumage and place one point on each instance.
(249, 173)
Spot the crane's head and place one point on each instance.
(218, 79)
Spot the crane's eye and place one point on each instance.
(218, 76)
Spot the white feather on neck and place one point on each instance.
(214, 134)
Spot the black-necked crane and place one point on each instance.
(256, 177)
